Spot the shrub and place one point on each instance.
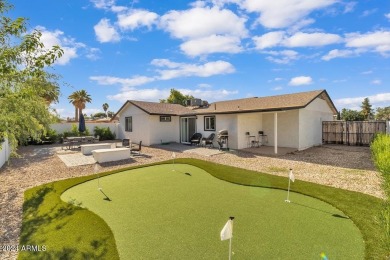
(74, 131)
(104, 133)
(380, 149)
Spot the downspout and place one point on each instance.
(276, 133)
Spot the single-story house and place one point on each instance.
(291, 120)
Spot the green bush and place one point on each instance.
(104, 133)
(52, 136)
(380, 149)
(74, 132)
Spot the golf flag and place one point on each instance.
(173, 155)
(227, 231)
(292, 178)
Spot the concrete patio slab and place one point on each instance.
(190, 149)
(76, 159)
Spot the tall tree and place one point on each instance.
(105, 108)
(367, 111)
(25, 86)
(382, 113)
(351, 115)
(176, 97)
(79, 98)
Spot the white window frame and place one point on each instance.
(129, 124)
(207, 123)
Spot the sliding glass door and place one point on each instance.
(187, 129)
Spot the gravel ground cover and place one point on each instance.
(343, 167)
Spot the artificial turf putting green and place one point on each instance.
(157, 213)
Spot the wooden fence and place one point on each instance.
(351, 132)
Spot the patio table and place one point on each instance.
(77, 140)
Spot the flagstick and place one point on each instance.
(230, 242)
(230, 249)
(288, 190)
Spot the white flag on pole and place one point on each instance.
(292, 178)
(173, 155)
(227, 231)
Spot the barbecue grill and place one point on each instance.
(223, 138)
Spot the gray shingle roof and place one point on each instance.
(154, 108)
(271, 103)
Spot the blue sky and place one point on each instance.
(215, 50)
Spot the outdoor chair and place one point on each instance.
(209, 140)
(196, 138)
(136, 149)
(65, 143)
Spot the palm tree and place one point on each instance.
(79, 98)
(105, 108)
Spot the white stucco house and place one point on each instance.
(291, 120)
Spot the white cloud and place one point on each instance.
(367, 72)
(376, 82)
(369, 12)
(118, 9)
(378, 41)
(277, 88)
(382, 99)
(90, 111)
(137, 18)
(211, 44)
(269, 40)
(336, 53)
(301, 80)
(176, 70)
(67, 44)
(202, 22)
(349, 7)
(282, 57)
(93, 53)
(168, 70)
(275, 80)
(103, 4)
(124, 82)
(387, 16)
(283, 13)
(154, 94)
(204, 85)
(209, 95)
(105, 32)
(301, 39)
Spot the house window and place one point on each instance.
(165, 118)
(209, 123)
(129, 124)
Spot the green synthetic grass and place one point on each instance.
(157, 213)
(362, 209)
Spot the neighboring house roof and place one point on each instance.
(264, 104)
(245, 105)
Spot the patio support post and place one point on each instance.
(276, 132)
